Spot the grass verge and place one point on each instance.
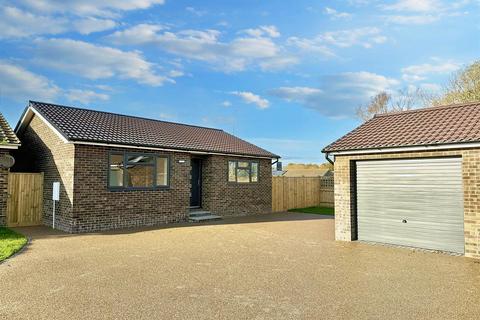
(315, 210)
(10, 242)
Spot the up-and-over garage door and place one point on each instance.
(415, 202)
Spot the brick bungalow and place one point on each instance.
(8, 143)
(411, 178)
(120, 171)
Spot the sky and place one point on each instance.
(285, 75)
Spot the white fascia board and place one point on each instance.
(408, 149)
(27, 117)
(9, 146)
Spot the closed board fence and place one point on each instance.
(25, 199)
(301, 192)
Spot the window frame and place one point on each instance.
(127, 154)
(249, 170)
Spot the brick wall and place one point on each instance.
(3, 191)
(43, 151)
(345, 213)
(98, 208)
(233, 199)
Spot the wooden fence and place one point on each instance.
(25, 199)
(301, 192)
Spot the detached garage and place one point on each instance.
(412, 179)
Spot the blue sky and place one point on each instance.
(286, 75)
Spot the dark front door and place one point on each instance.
(196, 193)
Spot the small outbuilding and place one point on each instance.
(411, 178)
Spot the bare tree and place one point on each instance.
(378, 104)
(463, 87)
(383, 102)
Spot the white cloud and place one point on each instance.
(196, 12)
(431, 87)
(15, 23)
(412, 19)
(105, 8)
(421, 71)
(336, 14)
(365, 37)
(415, 5)
(226, 103)
(296, 94)
(20, 84)
(338, 95)
(423, 12)
(90, 25)
(206, 46)
(139, 34)
(311, 45)
(85, 96)
(96, 62)
(278, 63)
(267, 31)
(251, 98)
(176, 73)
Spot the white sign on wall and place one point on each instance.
(56, 191)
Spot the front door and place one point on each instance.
(196, 191)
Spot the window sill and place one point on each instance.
(165, 188)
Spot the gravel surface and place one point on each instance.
(279, 266)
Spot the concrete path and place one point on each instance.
(282, 266)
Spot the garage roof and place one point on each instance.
(434, 126)
(80, 125)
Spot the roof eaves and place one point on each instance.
(153, 147)
(473, 143)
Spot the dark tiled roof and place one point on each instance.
(95, 126)
(459, 123)
(7, 136)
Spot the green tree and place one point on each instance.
(463, 87)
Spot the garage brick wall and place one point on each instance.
(3, 191)
(345, 211)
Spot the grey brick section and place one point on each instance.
(233, 199)
(96, 208)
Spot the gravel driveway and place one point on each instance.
(280, 266)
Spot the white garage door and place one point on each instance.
(416, 203)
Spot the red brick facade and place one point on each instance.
(87, 204)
